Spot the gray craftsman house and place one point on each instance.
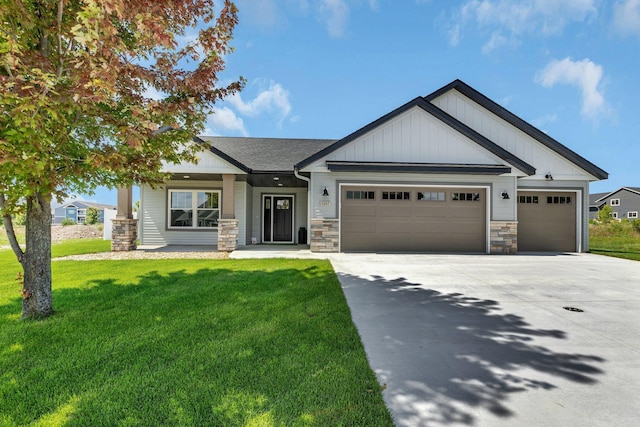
(624, 203)
(448, 172)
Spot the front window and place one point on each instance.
(194, 208)
(615, 202)
(633, 214)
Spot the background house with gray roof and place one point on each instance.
(624, 203)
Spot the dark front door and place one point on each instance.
(277, 219)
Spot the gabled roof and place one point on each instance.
(594, 199)
(517, 122)
(81, 204)
(263, 155)
(438, 114)
(607, 195)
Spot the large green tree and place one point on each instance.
(77, 110)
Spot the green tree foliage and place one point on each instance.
(92, 216)
(76, 79)
(604, 214)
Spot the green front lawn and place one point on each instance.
(185, 342)
(617, 239)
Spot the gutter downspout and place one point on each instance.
(308, 181)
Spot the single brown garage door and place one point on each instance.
(412, 219)
(546, 221)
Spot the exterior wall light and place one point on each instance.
(548, 177)
(505, 195)
(325, 192)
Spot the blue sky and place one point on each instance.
(325, 68)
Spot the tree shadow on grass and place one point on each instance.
(215, 346)
(448, 355)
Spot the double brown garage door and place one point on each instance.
(546, 221)
(413, 219)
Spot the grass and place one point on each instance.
(185, 342)
(619, 239)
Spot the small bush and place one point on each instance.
(68, 221)
(635, 224)
(93, 215)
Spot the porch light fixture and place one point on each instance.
(325, 192)
(505, 195)
(548, 177)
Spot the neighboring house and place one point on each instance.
(76, 211)
(624, 203)
(449, 172)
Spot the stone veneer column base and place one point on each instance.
(504, 237)
(227, 235)
(325, 235)
(124, 235)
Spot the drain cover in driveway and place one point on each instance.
(577, 310)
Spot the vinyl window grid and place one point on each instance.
(465, 197)
(614, 202)
(396, 195)
(431, 196)
(558, 200)
(528, 200)
(632, 214)
(187, 205)
(361, 195)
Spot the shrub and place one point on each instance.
(604, 214)
(93, 215)
(635, 224)
(68, 221)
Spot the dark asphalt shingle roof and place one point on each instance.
(266, 154)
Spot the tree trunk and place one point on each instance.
(36, 262)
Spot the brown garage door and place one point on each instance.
(413, 219)
(546, 221)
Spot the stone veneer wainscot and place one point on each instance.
(504, 237)
(325, 235)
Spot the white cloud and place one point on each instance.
(626, 17)
(520, 17)
(584, 74)
(225, 120)
(496, 41)
(273, 100)
(335, 15)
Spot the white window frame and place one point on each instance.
(614, 202)
(81, 216)
(194, 207)
(614, 215)
(632, 214)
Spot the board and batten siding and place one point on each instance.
(509, 137)
(300, 213)
(153, 227)
(413, 136)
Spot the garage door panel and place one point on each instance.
(387, 211)
(359, 210)
(549, 224)
(432, 222)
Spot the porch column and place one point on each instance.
(228, 196)
(124, 231)
(227, 224)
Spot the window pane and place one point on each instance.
(181, 218)
(208, 218)
(207, 200)
(181, 199)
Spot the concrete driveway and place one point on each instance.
(477, 340)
